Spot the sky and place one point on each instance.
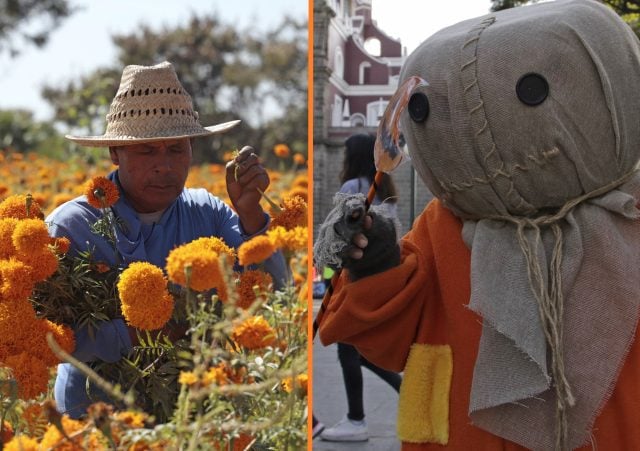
(83, 42)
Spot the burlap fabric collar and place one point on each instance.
(559, 299)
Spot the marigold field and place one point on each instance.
(236, 380)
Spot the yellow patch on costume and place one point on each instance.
(423, 411)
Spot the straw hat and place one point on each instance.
(150, 105)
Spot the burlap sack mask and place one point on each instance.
(544, 179)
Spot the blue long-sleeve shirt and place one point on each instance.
(194, 214)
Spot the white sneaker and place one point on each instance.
(347, 430)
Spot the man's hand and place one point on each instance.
(245, 175)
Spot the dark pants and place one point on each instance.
(351, 362)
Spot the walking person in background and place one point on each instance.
(357, 176)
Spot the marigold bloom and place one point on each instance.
(33, 416)
(299, 159)
(101, 192)
(216, 375)
(298, 384)
(53, 439)
(7, 226)
(281, 150)
(246, 283)
(63, 335)
(15, 279)
(300, 192)
(256, 250)
(254, 333)
(16, 207)
(131, 419)
(292, 214)
(30, 235)
(146, 303)
(31, 374)
(43, 264)
(292, 240)
(187, 378)
(21, 443)
(61, 245)
(216, 245)
(204, 264)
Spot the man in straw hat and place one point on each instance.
(149, 127)
(514, 307)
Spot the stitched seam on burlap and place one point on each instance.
(478, 120)
(538, 159)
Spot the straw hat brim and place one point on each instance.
(107, 141)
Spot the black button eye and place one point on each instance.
(418, 106)
(532, 89)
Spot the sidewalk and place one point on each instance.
(330, 402)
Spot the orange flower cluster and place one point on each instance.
(254, 333)
(197, 265)
(248, 282)
(293, 213)
(101, 192)
(299, 384)
(220, 375)
(294, 239)
(145, 300)
(256, 250)
(281, 150)
(27, 256)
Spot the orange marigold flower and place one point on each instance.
(31, 374)
(53, 439)
(131, 419)
(16, 207)
(298, 384)
(21, 443)
(30, 235)
(216, 245)
(292, 214)
(15, 279)
(238, 443)
(201, 262)
(61, 245)
(63, 335)
(292, 240)
(256, 250)
(187, 378)
(281, 150)
(216, 375)
(101, 192)
(33, 416)
(7, 432)
(300, 192)
(254, 333)
(299, 159)
(43, 264)
(7, 226)
(146, 303)
(246, 283)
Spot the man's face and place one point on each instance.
(153, 174)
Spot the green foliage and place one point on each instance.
(18, 16)
(20, 132)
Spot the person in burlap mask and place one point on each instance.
(150, 125)
(513, 307)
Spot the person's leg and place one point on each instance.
(352, 374)
(390, 377)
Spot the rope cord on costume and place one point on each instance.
(334, 280)
(551, 302)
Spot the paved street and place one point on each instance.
(330, 402)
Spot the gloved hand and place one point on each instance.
(365, 244)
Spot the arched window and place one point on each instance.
(375, 110)
(372, 45)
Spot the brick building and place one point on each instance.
(356, 70)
